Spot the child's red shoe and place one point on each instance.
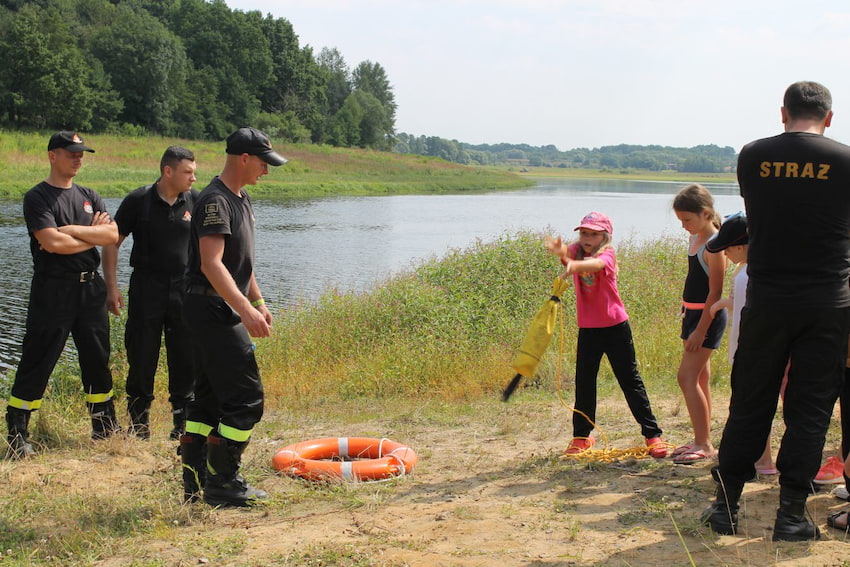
(657, 448)
(832, 472)
(579, 445)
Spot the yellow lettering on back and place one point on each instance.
(764, 169)
(823, 171)
(808, 170)
(792, 169)
(777, 168)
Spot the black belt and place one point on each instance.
(195, 289)
(81, 277)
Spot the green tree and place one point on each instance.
(371, 78)
(44, 76)
(228, 49)
(298, 87)
(147, 66)
(338, 82)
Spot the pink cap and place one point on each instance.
(596, 221)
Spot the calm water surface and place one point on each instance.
(351, 243)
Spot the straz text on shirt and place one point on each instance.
(791, 169)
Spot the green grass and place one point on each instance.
(122, 163)
(445, 330)
(449, 328)
(427, 346)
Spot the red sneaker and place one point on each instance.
(657, 447)
(832, 472)
(579, 445)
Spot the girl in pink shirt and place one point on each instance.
(603, 329)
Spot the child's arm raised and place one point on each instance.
(583, 266)
(556, 246)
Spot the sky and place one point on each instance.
(587, 73)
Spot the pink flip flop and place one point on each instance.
(691, 457)
(768, 471)
(682, 449)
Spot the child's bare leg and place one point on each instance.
(697, 396)
(705, 384)
(765, 462)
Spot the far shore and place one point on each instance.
(621, 174)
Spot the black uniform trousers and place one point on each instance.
(156, 305)
(815, 341)
(228, 390)
(59, 306)
(617, 344)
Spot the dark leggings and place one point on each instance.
(617, 344)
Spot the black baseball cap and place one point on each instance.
(733, 232)
(71, 141)
(255, 143)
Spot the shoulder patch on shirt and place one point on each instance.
(212, 215)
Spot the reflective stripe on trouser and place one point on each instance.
(198, 428)
(228, 389)
(57, 308)
(99, 398)
(24, 404)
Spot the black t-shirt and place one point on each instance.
(160, 231)
(46, 206)
(796, 188)
(219, 211)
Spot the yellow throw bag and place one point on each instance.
(539, 333)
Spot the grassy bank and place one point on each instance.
(428, 350)
(121, 164)
(420, 359)
(447, 330)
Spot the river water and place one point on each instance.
(306, 246)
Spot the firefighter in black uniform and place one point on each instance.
(159, 218)
(796, 187)
(66, 222)
(224, 309)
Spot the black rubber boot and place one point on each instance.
(722, 515)
(104, 424)
(139, 410)
(192, 451)
(17, 421)
(178, 415)
(791, 521)
(225, 486)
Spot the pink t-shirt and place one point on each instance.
(598, 302)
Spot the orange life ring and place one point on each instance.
(373, 459)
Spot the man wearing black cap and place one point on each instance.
(66, 223)
(224, 309)
(159, 218)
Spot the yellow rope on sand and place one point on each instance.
(607, 454)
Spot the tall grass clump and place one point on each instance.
(449, 327)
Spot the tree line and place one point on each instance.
(697, 159)
(187, 68)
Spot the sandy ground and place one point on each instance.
(489, 489)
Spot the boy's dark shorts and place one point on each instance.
(690, 320)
